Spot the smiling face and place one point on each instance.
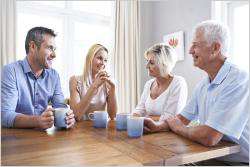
(152, 66)
(46, 53)
(99, 61)
(201, 51)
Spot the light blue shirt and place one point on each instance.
(223, 104)
(23, 93)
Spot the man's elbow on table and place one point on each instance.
(7, 119)
(210, 141)
(210, 137)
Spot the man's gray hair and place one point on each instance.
(214, 31)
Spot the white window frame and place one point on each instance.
(225, 16)
(230, 23)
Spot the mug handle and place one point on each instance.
(89, 116)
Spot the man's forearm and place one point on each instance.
(201, 134)
(26, 121)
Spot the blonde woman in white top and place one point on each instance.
(166, 93)
(94, 88)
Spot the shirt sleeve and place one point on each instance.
(190, 111)
(177, 99)
(9, 96)
(230, 112)
(140, 108)
(58, 98)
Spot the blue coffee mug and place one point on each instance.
(135, 126)
(100, 118)
(121, 121)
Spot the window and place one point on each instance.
(236, 15)
(239, 24)
(79, 24)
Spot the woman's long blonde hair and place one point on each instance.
(86, 77)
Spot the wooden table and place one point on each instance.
(85, 145)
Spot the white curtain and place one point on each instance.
(126, 55)
(8, 32)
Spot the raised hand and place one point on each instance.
(99, 79)
(110, 82)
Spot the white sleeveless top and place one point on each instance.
(98, 101)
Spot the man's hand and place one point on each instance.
(46, 119)
(70, 119)
(175, 124)
(152, 126)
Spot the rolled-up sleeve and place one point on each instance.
(9, 96)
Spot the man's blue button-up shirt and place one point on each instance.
(23, 93)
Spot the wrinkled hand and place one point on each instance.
(70, 119)
(152, 126)
(174, 123)
(46, 119)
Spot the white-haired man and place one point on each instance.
(220, 101)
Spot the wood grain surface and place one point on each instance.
(85, 145)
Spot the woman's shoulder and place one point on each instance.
(149, 83)
(179, 81)
(75, 80)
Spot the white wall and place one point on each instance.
(164, 17)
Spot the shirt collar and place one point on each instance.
(221, 75)
(27, 68)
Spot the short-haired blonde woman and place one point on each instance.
(166, 93)
(93, 89)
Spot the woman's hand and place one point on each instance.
(106, 77)
(100, 78)
(110, 83)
